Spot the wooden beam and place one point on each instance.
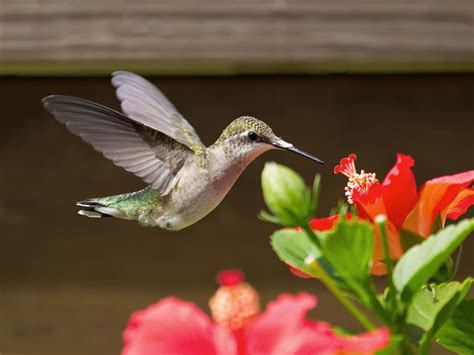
(191, 32)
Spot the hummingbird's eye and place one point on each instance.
(252, 136)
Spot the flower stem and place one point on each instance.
(332, 286)
(340, 295)
(381, 221)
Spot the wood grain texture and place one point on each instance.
(267, 31)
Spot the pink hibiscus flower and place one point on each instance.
(172, 326)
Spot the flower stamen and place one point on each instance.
(235, 302)
(359, 183)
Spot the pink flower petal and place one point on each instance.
(284, 329)
(399, 190)
(366, 343)
(172, 326)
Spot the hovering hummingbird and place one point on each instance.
(187, 180)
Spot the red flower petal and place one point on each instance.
(370, 204)
(299, 273)
(378, 268)
(435, 196)
(460, 204)
(399, 190)
(323, 224)
(172, 326)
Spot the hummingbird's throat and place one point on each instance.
(358, 182)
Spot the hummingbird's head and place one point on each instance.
(249, 137)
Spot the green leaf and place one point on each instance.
(285, 191)
(421, 261)
(315, 194)
(457, 261)
(437, 224)
(353, 210)
(349, 248)
(409, 239)
(341, 206)
(267, 217)
(294, 247)
(434, 304)
(386, 301)
(393, 348)
(458, 332)
(445, 273)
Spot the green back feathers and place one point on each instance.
(132, 203)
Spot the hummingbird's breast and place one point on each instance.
(203, 184)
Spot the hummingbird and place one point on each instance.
(152, 140)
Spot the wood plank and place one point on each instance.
(190, 31)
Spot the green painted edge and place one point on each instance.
(226, 68)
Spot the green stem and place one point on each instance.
(425, 346)
(376, 306)
(340, 295)
(381, 222)
(406, 348)
(332, 286)
(314, 238)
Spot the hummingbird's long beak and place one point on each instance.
(281, 144)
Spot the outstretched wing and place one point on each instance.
(145, 103)
(137, 147)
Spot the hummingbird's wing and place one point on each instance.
(145, 103)
(140, 149)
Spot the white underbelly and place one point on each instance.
(191, 202)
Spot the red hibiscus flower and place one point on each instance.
(405, 207)
(172, 326)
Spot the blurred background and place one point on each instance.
(370, 77)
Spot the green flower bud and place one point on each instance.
(286, 196)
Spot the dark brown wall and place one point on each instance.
(68, 284)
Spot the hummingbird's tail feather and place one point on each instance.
(92, 209)
(92, 214)
(134, 206)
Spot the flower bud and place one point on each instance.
(286, 195)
